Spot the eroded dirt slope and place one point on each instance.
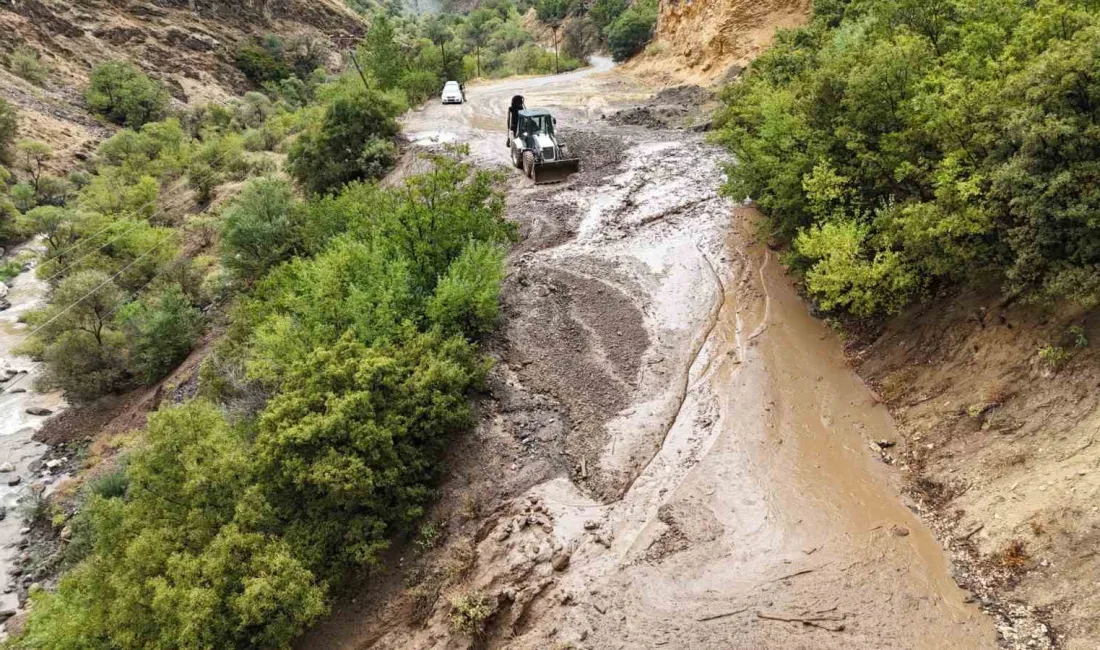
(1002, 448)
(704, 41)
(187, 44)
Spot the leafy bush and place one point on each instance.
(629, 33)
(260, 65)
(125, 94)
(467, 299)
(26, 63)
(352, 441)
(259, 228)
(952, 139)
(353, 142)
(84, 353)
(9, 126)
(161, 330)
(604, 12)
(178, 564)
(469, 613)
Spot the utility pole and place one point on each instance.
(554, 30)
(355, 60)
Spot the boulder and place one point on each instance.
(38, 410)
(15, 480)
(7, 467)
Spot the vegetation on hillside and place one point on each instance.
(352, 311)
(901, 146)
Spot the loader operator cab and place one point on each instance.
(535, 122)
(534, 144)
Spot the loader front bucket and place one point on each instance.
(556, 171)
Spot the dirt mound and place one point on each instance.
(676, 107)
(701, 41)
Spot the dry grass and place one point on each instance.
(1013, 556)
(459, 561)
(897, 384)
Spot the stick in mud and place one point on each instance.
(714, 617)
(812, 621)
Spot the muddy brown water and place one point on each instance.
(722, 492)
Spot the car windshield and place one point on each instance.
(540, 124)
(451, 85)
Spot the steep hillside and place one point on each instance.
(187, 44)
(704, 41)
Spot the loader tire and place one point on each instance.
(529, 164)
(517, 158)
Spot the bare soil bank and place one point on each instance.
(999, 448)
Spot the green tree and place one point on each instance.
(84, 352)
(259, 228)
(125, 94)
(9, 126)
(160, 330)
(352, 443)
(604, 12)
(632, 30)
(353, 142)
(477, 29)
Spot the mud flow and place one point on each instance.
(691, 464)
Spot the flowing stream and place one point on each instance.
(20, 455)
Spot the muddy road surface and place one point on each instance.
(676, 453)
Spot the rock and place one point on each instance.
(3, 290)
(66, 533)
(54, 464)
(7, 467)
(591, 525)
(38, 410)
(15, 480)
(885, 444)
(17, 623)
(560, 560)
(4, 304)
(16, 391)
(899, 531)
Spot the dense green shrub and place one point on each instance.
(352, 443)
(84, 352)
(354, 141)
(604, 12)
(9, 126)
(125, 94)
(260, 65)
(160, 329)
(632, 30)
(259, 228)
(904, 146)
(179, 562)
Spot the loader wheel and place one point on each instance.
(529, 164)
(517, 159)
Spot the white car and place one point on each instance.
(452, 93)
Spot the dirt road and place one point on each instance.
(682, 451)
